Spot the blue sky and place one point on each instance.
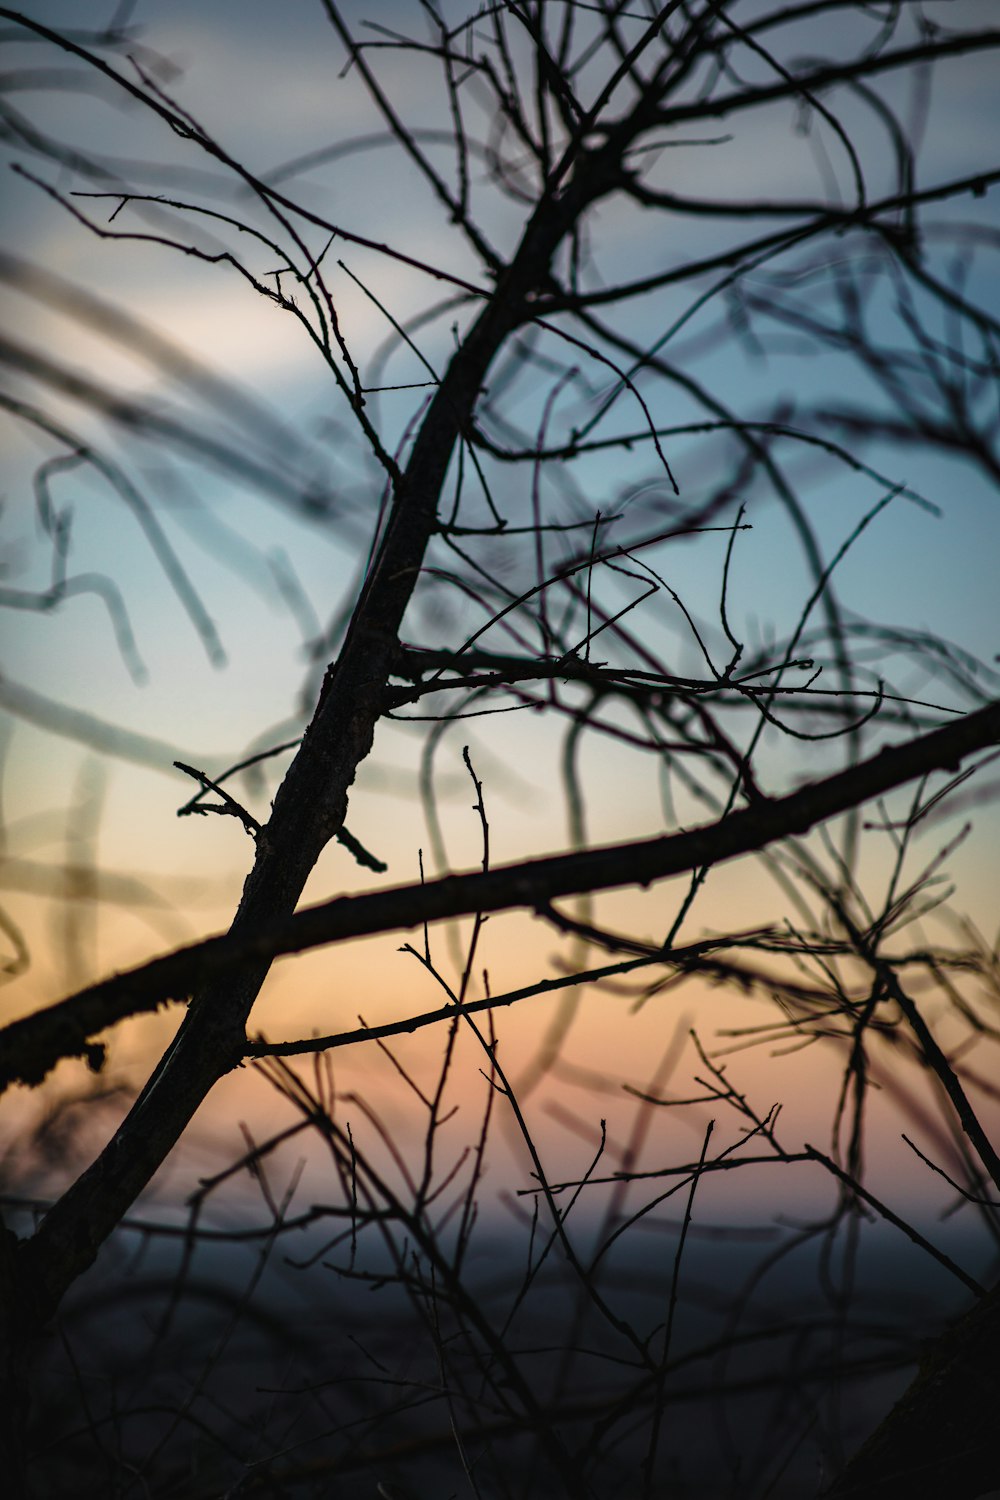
(268, 80)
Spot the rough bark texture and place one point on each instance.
(941, 1439)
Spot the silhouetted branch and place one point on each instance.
(36, 1043)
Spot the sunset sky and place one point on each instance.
(268, 81)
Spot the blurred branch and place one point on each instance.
(34, 1044)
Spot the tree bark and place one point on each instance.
(942, 1438)
(311, 802)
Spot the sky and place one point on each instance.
(224, 663)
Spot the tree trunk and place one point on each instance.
(942, 1438)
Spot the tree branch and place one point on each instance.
(30, 1047)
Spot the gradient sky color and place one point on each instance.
(270, 81)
